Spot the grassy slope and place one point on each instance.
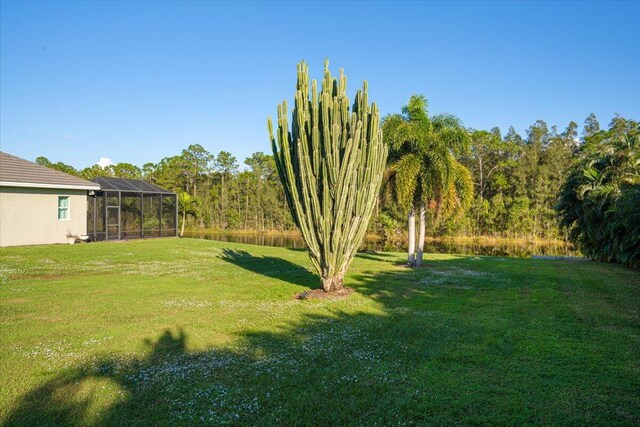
(168, 330)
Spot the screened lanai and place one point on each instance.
(130, 209)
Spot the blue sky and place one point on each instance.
(139, 81)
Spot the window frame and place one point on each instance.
(66, 209)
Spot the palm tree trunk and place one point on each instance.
(184, 219)
(423, 214)
(412, 238)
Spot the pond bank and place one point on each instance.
(480, 245)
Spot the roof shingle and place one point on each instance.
(23, 173)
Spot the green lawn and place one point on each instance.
(181, 331)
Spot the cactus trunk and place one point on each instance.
(330, 163)
(332, 283)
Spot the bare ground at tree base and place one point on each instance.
(320, 294)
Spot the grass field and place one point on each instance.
(182, 331)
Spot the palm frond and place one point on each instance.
(407, 170)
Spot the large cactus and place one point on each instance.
(331, 165)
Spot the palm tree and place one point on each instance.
(188, 205)
(423, 172)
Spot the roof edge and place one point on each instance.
(53, 186)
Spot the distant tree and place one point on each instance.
(262, 165)
(520, 221)
(196, 161)
(95, 171)
(591, 126)
(570, 136)
(149, 171)
(486, 158)
(259, 188)
(43, 161)
(168, 173)
(619, 126)
(225, 165)
(59, 166)
(489, 160)
(538, 134)
(126, 170)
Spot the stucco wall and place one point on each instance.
(29, 216)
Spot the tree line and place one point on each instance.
(222, 195)
(515, 180)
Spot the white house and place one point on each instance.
(40, 205)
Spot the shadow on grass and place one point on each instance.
(273, 267)
(441, 346)
(375, 256)
(281, 269)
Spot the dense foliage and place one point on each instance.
(517, 180)
(600, 201)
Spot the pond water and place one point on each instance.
(468, 247)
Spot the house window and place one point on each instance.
(63, 207)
